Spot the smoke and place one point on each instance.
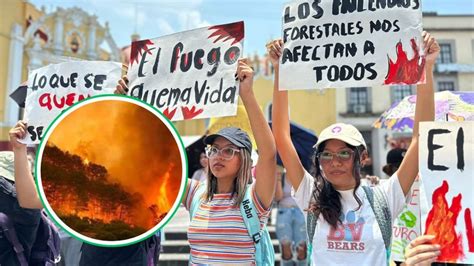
(133, 145)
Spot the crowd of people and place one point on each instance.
(317, 210)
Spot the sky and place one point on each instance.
(155, 18)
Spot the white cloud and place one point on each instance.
(195, 2)
(164, 27)
(191, 20)
(122, 12)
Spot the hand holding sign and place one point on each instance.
(421, 252)
(122, 86)
(274, 49)
(431, 48)
(245, 75)
(17, 133)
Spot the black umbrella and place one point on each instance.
(19, 95)
(303, 139)
(193, 151)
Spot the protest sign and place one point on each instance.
(447, 170)
(53, 88)
(340, 43)
(189, 75)
(407, 226)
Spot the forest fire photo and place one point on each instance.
(111, 170)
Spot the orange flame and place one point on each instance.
(441, 222)
(68, 203)
(135, 151)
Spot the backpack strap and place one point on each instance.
(250, 216)
(196, 200)
(311, 221)
(54, 241)
(382, 214)
(48, 235)
(152, 247)
(10, 234)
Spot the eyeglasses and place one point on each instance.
(344, 155)
(226, 153)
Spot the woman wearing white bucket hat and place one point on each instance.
(342, 215)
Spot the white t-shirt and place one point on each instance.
(200, 175)
(359, 240)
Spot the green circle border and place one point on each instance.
(149, 232)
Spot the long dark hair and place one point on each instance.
(327, 201)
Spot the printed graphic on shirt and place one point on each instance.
(347, 236)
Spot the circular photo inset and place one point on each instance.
(111, 170)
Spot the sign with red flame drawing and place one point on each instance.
(189, 75)
(447, 171)
(407, 226)
(337, 44)
(53, 88)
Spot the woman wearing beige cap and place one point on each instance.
(348, 224)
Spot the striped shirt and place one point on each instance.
(217, 233)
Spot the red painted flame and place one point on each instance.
(441, 222)
(228, 31)
(190, 113)
(469, 229)
(405, 71)
(138, 49)
(169, 113)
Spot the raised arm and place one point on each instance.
(281, 122)
(424, 111)
(27, 194)
(266, 165)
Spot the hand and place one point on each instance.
(421, 252)
(122, 86)
(245, 75)
(431, 48)
(16, 133)
(274, 49)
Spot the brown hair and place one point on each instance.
(244, 176)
